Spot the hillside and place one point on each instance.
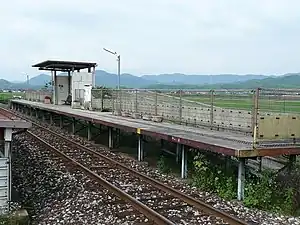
(175, 81)
(286, 81)
(177, 78)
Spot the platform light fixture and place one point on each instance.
(118, 60)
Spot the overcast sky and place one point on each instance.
(152, 36)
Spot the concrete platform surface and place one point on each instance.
(224, 142)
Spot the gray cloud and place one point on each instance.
(191, 36)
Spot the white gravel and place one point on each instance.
(58, 196)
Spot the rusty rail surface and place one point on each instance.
(201, 205)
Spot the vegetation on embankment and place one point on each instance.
(269, 192)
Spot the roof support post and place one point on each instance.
(94, 77)
(55, 89)
(241, 179)
(69, 82)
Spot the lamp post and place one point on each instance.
(119, 74)
(27, 78)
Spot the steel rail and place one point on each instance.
(139, 206)
(188, 199)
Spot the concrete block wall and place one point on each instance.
(37, 96)
(233, 119)
(146, 103)
(195, 114)
(97, 104)
(168, 107)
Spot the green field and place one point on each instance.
(247, 103)
(6, 96)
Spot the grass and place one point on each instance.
(6, 96)
(246, 103)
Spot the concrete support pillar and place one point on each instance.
(259, 163)
(37, 113)
(178, 152)
(73, 125)
(292, 162)
(140, 148)
(7, 154)
(7, 139)
(51, 118)
(183, 162)
(241, 179)
(30, 112)
(292, 159)
(43, 116)
(162, 143)
(89, 131)
(110, 137)
(61, 121)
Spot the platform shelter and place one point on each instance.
(73, 86)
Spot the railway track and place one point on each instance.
(157, 201)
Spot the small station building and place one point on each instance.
(73, 86)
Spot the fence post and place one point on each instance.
(102, 99)
(113, 101)
(180, 106)
(254, 116)
(211, 109)
(155, 100)
(120, 106)
(136, 101)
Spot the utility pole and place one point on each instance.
(119, 76)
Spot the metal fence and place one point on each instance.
(211, 108)
(239, 110)
(279, 101)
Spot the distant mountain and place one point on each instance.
(178, 78)
(127, 80)
(41, 79)
(285, 81)
(170, 81)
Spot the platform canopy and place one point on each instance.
(65, 66)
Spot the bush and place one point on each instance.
(263, 192)
(162, 165)
(213, 179)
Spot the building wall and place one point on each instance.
(79, 80)
(62, 88)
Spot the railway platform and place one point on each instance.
(223, 142)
